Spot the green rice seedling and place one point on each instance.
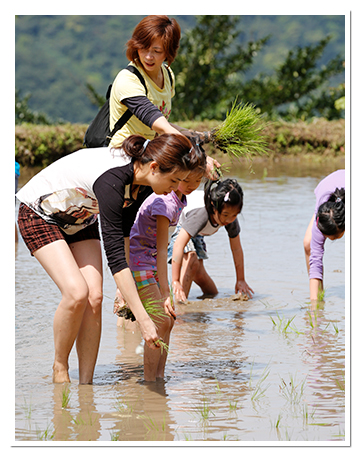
(123, 406)
(335, 327)
(284, 325)
(203, 410)
(259, 390)
(277, 422)
(233, 405)
(78, 421)
(341, 385)
(114, 435)
(217, 388)
(218, 172)
(47, 435)
(321, 295)
(293, 392)
(65, 396)
(240, 134)
(27, 409)
(306, 414)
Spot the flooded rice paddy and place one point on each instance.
(270, 369)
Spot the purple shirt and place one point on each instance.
(322, 193)
(143, 232)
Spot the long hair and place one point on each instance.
(219, 193)
(330, 217)
(170, 151)
(150, 28)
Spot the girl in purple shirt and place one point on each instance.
(328, 221)
(148, 258)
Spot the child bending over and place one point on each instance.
(223, 201)
(148, 260)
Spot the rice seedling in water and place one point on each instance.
(240, 134)
(259, 390)
(321, 295)
(65, 396)
(203, 410)
(233, 405)
(27, 410)
(47, 434)
(123, 406)
(152, 426)
(292, 392)
(283, 325)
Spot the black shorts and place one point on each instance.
(37, 233)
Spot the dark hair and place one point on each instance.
(330, 218)
(196, 158)
(170, 151)
(219, 194)
(150, 28)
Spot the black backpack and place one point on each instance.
(98, 133)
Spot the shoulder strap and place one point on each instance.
(134, 70)
(170, 76)
(127, 114)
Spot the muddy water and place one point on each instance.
(268, 369)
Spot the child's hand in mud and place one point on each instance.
(168, 307)
(242, 287)
(178, 292)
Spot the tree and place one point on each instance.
(23, 114)
(210, 70)
(207, 66)
(298, 88)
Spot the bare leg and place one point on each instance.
(192, 269)
(307, 240)
(59, 262)
(204, 280)
(155, 360)
(88, 257)
(189, 268)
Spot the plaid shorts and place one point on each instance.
(37, 233)
(145, 278)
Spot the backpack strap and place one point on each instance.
(127, 114)
(170, 76)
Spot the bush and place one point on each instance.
(40, 145)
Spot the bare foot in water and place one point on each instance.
(60, 375)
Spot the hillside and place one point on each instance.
(57, 55)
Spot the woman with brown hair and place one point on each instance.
(58, 222)
(151, 50)
(155, 40)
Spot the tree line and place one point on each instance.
(210, 70)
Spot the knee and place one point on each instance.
(77, 297)
(193, 262)
(95, 300)
(166, 325)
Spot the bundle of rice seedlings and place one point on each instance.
(151, 307)
(240, 134)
